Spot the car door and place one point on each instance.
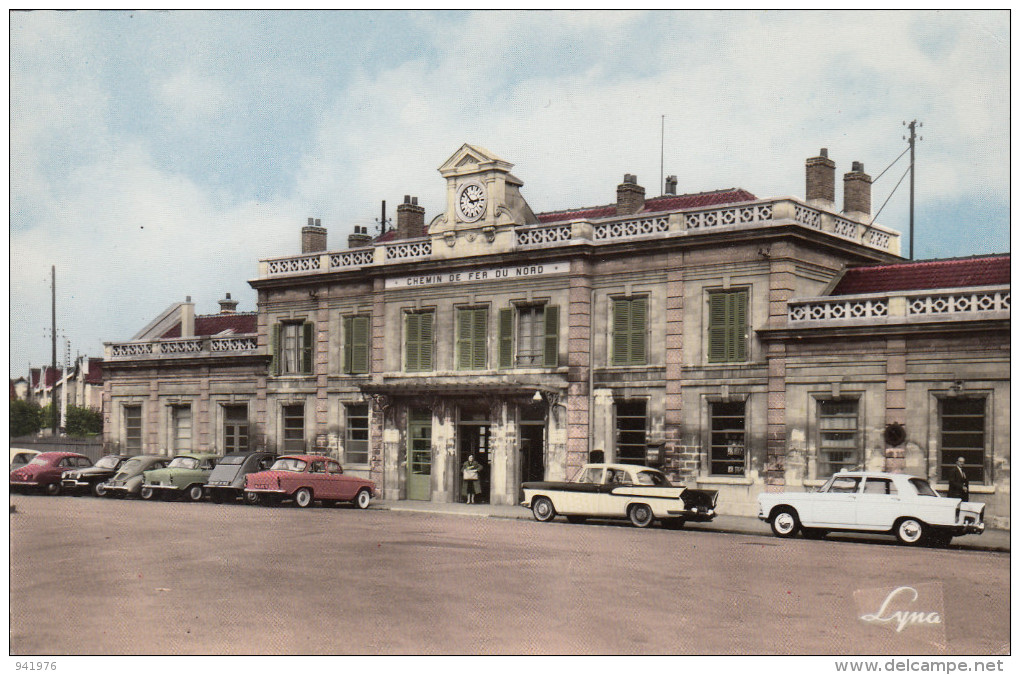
(879, 504)
(836, 507)
(607, 503)
(321, 484)
(341, 486)
(581, 494)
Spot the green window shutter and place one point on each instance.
(359, 344)
(308, 350)
(740, 326)
(506, 338)
(552, 336)
(463, 339)
(480, 325)
(425, 341)
(638, 331)
(412, 339)
(274, 350)
(621, 326)
(348, 329)
(717, 327)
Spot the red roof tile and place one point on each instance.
(925, 274)
(654, 205)
(95, 374)
(52, 376)
(213, 324)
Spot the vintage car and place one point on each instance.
(186, 474)
(226, 482)
(127, 482)
(92, 479)
(20, 457)
(865, 501)
(305, 478)
(45, 470)
(640, 493)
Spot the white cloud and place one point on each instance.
(193, 98)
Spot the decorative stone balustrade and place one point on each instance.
(185, 346)
(748, 215)
(980, 303)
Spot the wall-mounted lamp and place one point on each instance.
(537, 398)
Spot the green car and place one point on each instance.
(185, 475)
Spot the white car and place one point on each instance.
(867, 501)
(632, 491)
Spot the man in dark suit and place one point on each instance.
(958, 484)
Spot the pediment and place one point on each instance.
(471, 158)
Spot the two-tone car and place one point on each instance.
(92, 479)
(870, 501)
(639, 493)
(45, 471)
(226, 482)
(21, 456)
(305, 479)
(186, 474)
(127, 482)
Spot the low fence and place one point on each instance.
(90, 447)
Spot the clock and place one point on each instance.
(471, 202)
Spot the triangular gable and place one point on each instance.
(472, 157)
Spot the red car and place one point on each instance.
(45, 470)
(305, 478)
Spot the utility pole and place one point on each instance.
(383, 221)
(912, 140)
(53, 360)
(662, 155)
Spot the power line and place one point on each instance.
(875, 180)
(891, 194)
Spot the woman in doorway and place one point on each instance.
(470, 473)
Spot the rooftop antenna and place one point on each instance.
(383, 221)
(914, 124)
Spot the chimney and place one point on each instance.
(187, 318)
(630, 197)
(857, 193)
(313, 236)
(360, 237)
(410, 219)
(671, 185)
(228, 306)
(820, 173)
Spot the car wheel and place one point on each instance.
(910, 531)
(53, 489)
(99, 489)
(303, 498)
(785, 523)
(576, 520)
(195, 493)
(147, 493)
(813, 533)
(542, 509)
(363, 499)
(253, 498)
(640, 515)
(674, 523)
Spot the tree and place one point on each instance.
(83, 421)
(26, 418)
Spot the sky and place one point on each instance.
(159, 155)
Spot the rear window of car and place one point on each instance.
(39, 461)
(107, 463)
(879, 486)
(652, 478)
(923, 488)
(235, 459)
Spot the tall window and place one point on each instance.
(418, 341)
(630, 328)
(294, 428)
(471, 334)
(839, 441)
(537, 336)
(631, 431)
(133, 429)
(235, 428)
(356, 352)
(727, 326)
(180, 428)
(728, 437)
(356, 441)
(963, 435)
(293, 348)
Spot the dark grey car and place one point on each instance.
(226, 482)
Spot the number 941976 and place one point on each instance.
(35, 665)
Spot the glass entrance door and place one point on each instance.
(419, 454)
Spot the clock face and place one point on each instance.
(471, 202)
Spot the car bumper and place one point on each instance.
(74, 484)
(271, 491)
(694, 515)
(153, 486)
(26, 483)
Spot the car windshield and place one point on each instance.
(842, 484)
(232, 459)
(39, 461)
(288, 464)
(107, 463)
(649, 477)
(183, 463)
(923, 488)
(130, 465)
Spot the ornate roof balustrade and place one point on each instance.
(740, 216)
(901, 307)
(176, 347)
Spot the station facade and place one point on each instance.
(738, 343)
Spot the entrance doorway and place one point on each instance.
(473, 434)
(532, 430)
(419, 454)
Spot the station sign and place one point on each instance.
(479, 275)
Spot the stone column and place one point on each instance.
(503, 455)
(775, 439)
(674, 461)
(445, 461)
(579, 365)
(896, 400)
(602, 423)
(322, 373)
(377, 354)
(203, 422)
